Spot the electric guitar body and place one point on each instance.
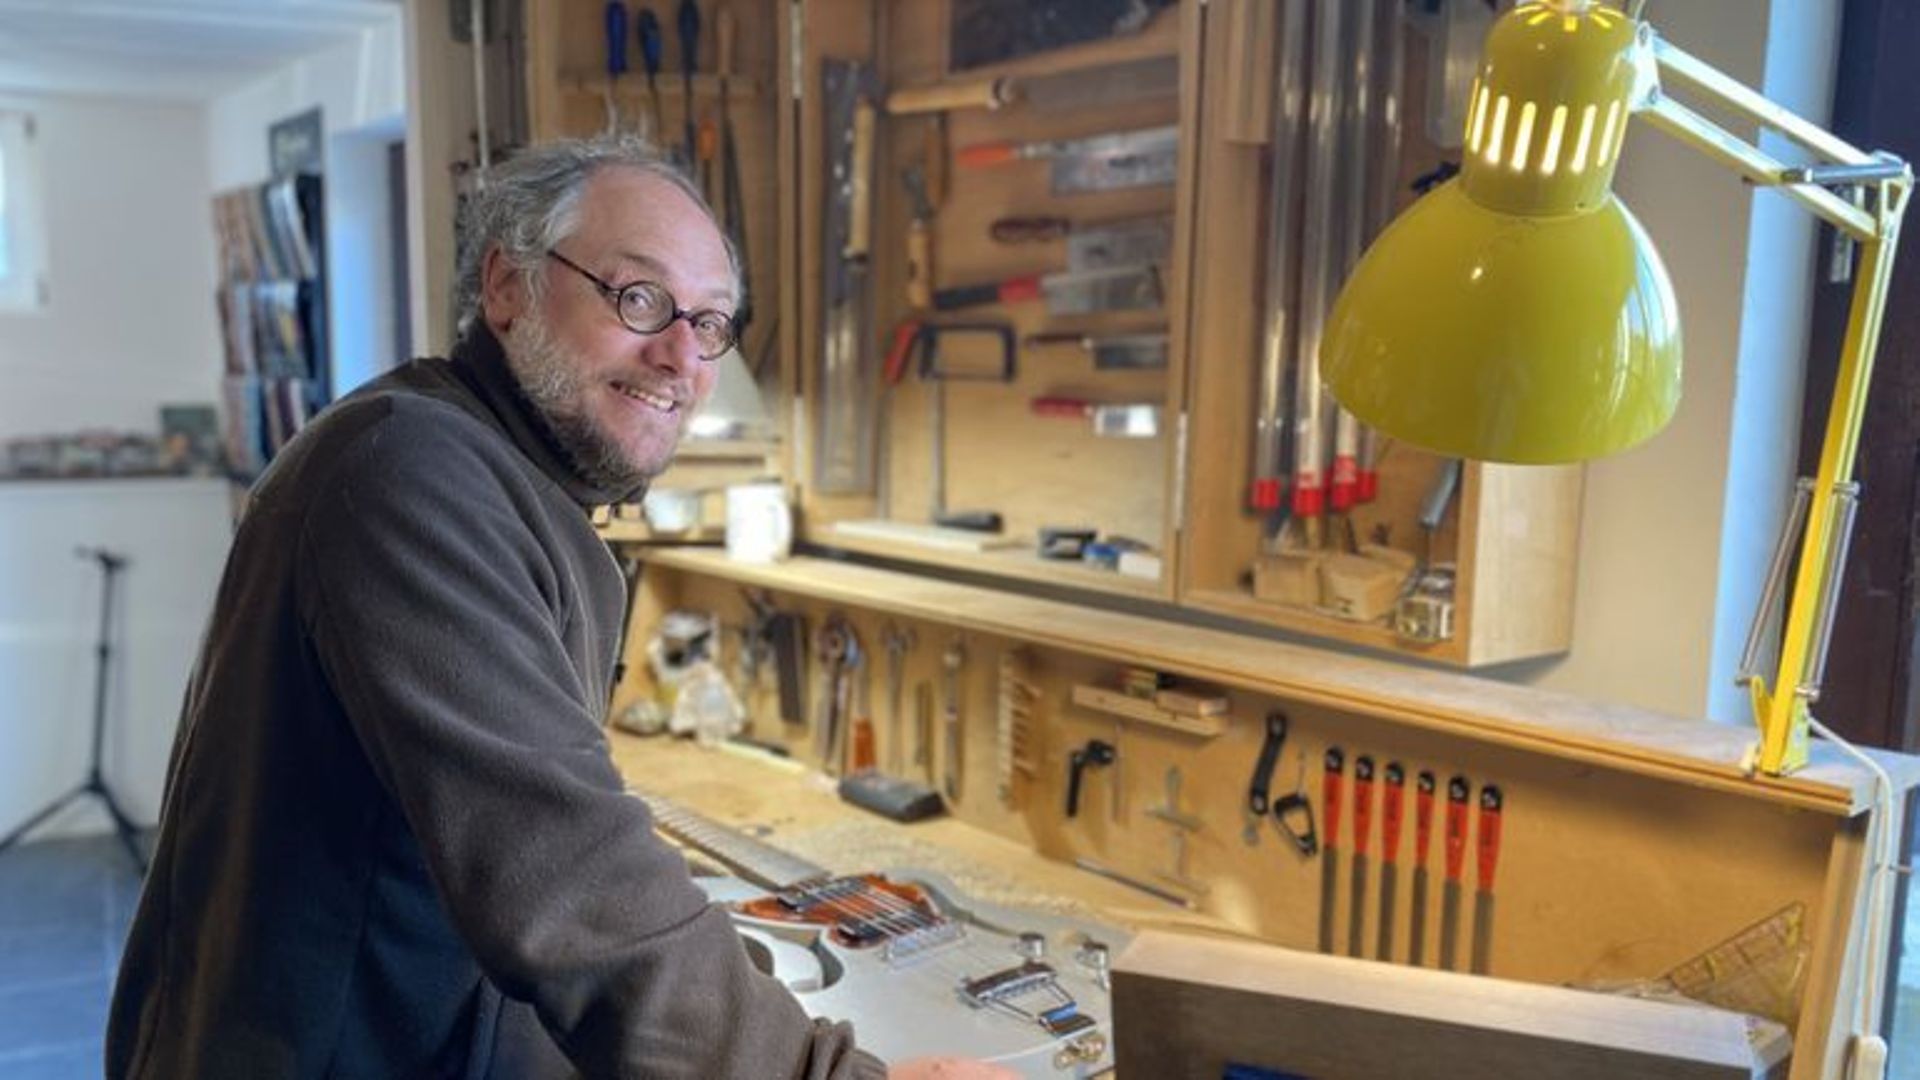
(917, 967)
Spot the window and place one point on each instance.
(23, 246)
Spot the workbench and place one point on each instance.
(1634, 843)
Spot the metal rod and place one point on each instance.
(477, 23)
(1756, 165)
(1846, 498)
(1318, 251)
(1888, 169)
(1269, 454)
(1776, 581)
(1152, 890)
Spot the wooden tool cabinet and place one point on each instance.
(1633, 842)
(1511, 534)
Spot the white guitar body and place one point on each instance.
(918, 968)
(916, 1006)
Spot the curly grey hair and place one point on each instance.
(531, 202)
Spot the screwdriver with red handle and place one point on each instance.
(1330, 784)
(1391, 807)
(1422, 840)
(1457, 791)
(1362, 837)
(1488, 848)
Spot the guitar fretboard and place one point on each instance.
(763, 864)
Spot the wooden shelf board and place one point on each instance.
(1628, 739)
(1241, 605)
(1021, 563)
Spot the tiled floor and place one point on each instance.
(65, 906)
(64, 910)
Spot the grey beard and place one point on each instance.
(553, 386)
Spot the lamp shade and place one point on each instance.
(1508, 337)
(1519, 313)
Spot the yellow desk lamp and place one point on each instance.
(1520, 314)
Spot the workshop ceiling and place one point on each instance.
(179, 50)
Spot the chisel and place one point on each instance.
(1422, 840)
(1330, 781)
(1390, 810)
(1362, 833)
(1456, 859)
(1111, 352)
(1124, 159)
(1488, 844)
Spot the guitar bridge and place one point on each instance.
(1011, 990)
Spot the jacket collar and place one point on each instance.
(481, 361)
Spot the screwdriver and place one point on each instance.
(688, 18)
(652, 50)
(616, 59)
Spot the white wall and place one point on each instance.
(131, 321)
(130, 326)
(175, 532)
(358, 86)
(1675, 534)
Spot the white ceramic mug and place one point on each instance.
(759, 523)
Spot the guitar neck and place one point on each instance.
(763, 864)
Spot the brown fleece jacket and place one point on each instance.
(393, 842)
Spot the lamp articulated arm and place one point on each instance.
(1879, 185)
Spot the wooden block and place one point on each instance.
(1290, 577)
(1140, 710)
(1360, 587)
(1192, 702)
(1188, 1006)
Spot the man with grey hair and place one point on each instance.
(393, 841)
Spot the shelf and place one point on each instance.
(1688, 751)
(1140, 711)
(1238, 604)
(1020, 563)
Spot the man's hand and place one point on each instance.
(948, 1068)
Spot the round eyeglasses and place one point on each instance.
(646, 307)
